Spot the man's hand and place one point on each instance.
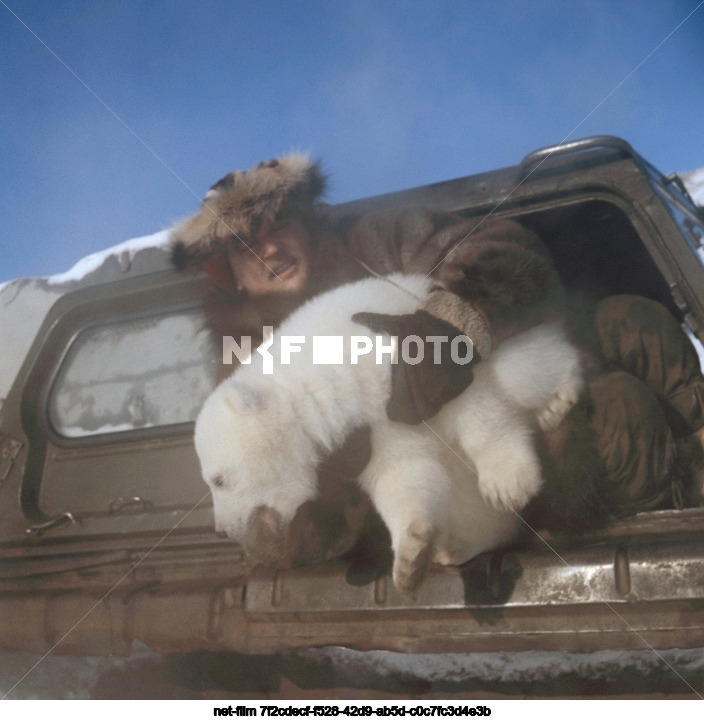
(419, 391)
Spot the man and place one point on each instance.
(268, 247)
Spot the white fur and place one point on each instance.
(447, 490)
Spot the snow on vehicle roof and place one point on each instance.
(92, 262)
(694, 182)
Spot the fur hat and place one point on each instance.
(238, 203)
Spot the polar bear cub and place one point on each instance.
(447, 489)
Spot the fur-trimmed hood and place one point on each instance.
(240, 201)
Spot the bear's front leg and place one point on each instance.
(561, 403)
(509, 471)
(498, 439)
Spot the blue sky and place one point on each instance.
(117, 116)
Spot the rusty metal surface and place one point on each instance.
(627, 597)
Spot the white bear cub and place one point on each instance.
(447, 490)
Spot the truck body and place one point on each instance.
(106, 528)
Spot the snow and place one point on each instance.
(124, 251)
(513, 667)
(322, 673)
(694, 182)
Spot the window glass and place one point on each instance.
(134, 374)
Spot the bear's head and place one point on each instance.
(259, 463)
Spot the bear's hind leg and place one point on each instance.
(411, 491)
(412, 555)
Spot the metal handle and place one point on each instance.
(39, 528)
(575, 146)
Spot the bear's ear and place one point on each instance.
(243, 398)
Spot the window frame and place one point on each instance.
(147, 295)
(55, 436)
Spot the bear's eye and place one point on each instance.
(218, 482)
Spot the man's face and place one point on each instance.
(278, 259)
